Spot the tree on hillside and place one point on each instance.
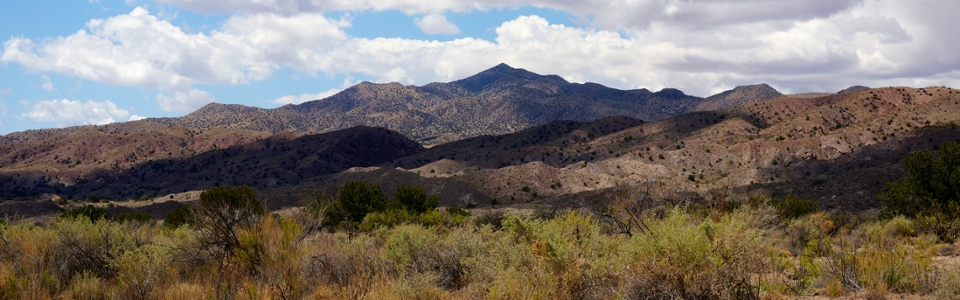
(931, 191)
(415, 200)
(354, 201)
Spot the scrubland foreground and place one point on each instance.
(759, 250)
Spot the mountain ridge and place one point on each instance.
(498, 100)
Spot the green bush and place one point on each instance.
(353, 202)
(389, 218)
(415, 200)
(681, 258)
(792, 207)
(180, 216)
(89, 212)
(932, 190)
(240, 200)
(227, 221)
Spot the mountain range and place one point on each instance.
(499, 100)
(836, 148)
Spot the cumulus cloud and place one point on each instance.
(300, 6)
(608, 14)
(291, 99)
(139, 49)
(701, 47)
(136, 118)
(184, 102)
(69, 113)
(436, 24)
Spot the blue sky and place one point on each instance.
(66, 63)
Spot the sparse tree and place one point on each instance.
(931, 191)
(353, 202)
(415, 200)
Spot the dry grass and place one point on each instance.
(743, 254)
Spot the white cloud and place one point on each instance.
(291, 99)
(139, 49)
(68, 112)
(701, 47)
(436, 24)
(608, 14)
(184, 102)
(45, 83)
(136, 118)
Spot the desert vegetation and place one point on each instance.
(361, 243)
(232, 250)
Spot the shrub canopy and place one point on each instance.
(932, 188)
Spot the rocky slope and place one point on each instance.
(149, 162)
(500, 100)
(838, 149)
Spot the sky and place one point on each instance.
(66, 63)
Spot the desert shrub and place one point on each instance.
(453, 216)
(180, 216)
(185, 290)
(415, 251)
(347, 264)
(948, 285)
(83, 246)
(807, 234)
(227, 224)
(682, 258)
(283, 271)
(141, 217)
(89, 287)
(791, 207)
(389, 218)
(881, 257)
(456, 211)
(353, 202)
(931, 190)
(415, 200)
(142, 271)
(494, 219)
(89, 212)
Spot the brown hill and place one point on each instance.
(496, 101)
(838, 150)
(738, 96)
(157, 161)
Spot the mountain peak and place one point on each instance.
(502, 66)
(740, 95)
(500, 72)
(670, 93)
(853, 89)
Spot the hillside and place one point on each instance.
(738, 96)
(499, 100)
(149, 162)
(838, 150)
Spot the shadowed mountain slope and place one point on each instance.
(838, 150)
(74, 165)
(499, 100)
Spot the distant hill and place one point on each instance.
(854, 89)
(499, 100)
(738, 96)
(151, 161)
(837, 149)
